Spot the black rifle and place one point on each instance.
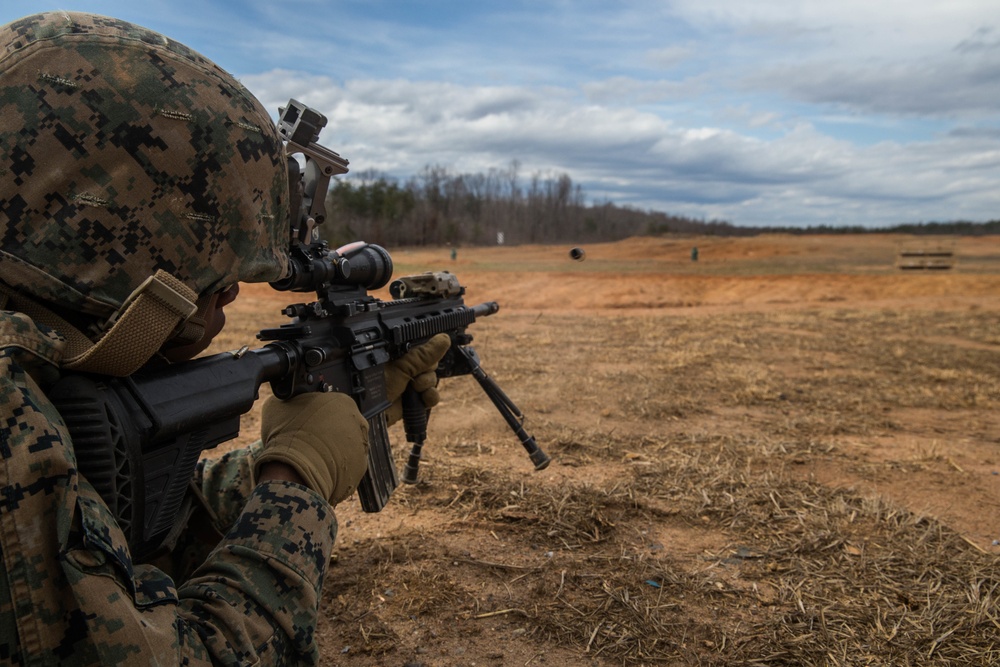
(139, 438)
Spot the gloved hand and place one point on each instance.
(322, 436)
(416, 367)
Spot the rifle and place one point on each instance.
(138, 439)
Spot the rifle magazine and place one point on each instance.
(381, 479)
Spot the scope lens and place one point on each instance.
(371, 265)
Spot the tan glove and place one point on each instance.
(322, 435)
(416, 367)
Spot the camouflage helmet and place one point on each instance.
(124, 153)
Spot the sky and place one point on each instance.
(772, 112)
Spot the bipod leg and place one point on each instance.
(508, 410)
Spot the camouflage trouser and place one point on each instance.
(70, 591)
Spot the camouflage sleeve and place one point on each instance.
(219, 491)
(260, 588)
(253, 601)
(226, 483)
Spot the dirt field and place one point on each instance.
(784, 453)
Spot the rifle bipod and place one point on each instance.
(415, 418)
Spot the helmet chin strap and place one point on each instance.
(160, 309)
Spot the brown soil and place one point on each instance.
(783, 453)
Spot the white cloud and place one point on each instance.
(668, 57)
(888, 57)
(800, 177)
(628, 91)
(951, 85)
(858, 29)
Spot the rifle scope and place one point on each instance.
(357, 264)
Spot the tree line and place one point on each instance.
(439, 207)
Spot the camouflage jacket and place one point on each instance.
(70, 592)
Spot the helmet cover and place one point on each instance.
(123, 152)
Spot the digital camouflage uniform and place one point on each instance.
(71, 593)
(123, 153)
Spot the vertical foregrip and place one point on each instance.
(415, 426)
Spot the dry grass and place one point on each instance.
(807, 575)
(728, 487)
(791, 572)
